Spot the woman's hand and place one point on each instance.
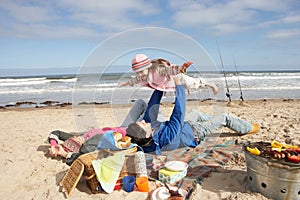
(57, 151)
(61, 152)
(53, 150)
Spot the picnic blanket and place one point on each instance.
(209, 156)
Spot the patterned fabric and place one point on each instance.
(140, 164)
(70, 145)
(207, 157)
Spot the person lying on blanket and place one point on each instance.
(73, 145)
(180, 130)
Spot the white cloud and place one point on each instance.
(264, 5)
(27, 13)
(110, 6)
(229, 16)
(91, 18)
(284, 34)
(108, 14)
(45, 31)
(74, 18)
(291, 19)
(196, 14)
(219, 18)
(286, 19)
(225, 28)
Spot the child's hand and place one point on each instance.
(184, 66)
(123, 83)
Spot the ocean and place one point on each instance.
(104, 89)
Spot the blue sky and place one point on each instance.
(60, 34)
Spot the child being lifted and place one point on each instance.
(157, 74)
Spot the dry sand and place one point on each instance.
(28, 173)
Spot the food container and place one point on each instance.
(173, 171)
(170, 176)
(275, 179)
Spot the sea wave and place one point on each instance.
(268, 88)
(263, 77)
(33, 81)
(108, 89)
(63, 87)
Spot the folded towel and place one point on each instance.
(108, 170)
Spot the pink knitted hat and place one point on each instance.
(140, 62)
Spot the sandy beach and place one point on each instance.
(28, 173)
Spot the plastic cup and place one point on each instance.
(143, 184)
(128, 183)
(149, 160)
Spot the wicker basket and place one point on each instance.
(83, 166)
(72, 177)
(90, 174)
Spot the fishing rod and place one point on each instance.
(226, 83)
(241, 97)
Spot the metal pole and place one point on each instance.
(241, 97)
(227, 87)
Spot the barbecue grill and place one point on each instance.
(277, 179)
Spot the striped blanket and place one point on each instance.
(207, 157)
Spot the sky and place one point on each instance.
(59, 35)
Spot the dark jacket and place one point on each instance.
(88, 146)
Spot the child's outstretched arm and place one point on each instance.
(175, 69)
(131, 82)
(214, 88)
(123, 83)
(184, 66)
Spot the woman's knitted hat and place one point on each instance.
(140, 62)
